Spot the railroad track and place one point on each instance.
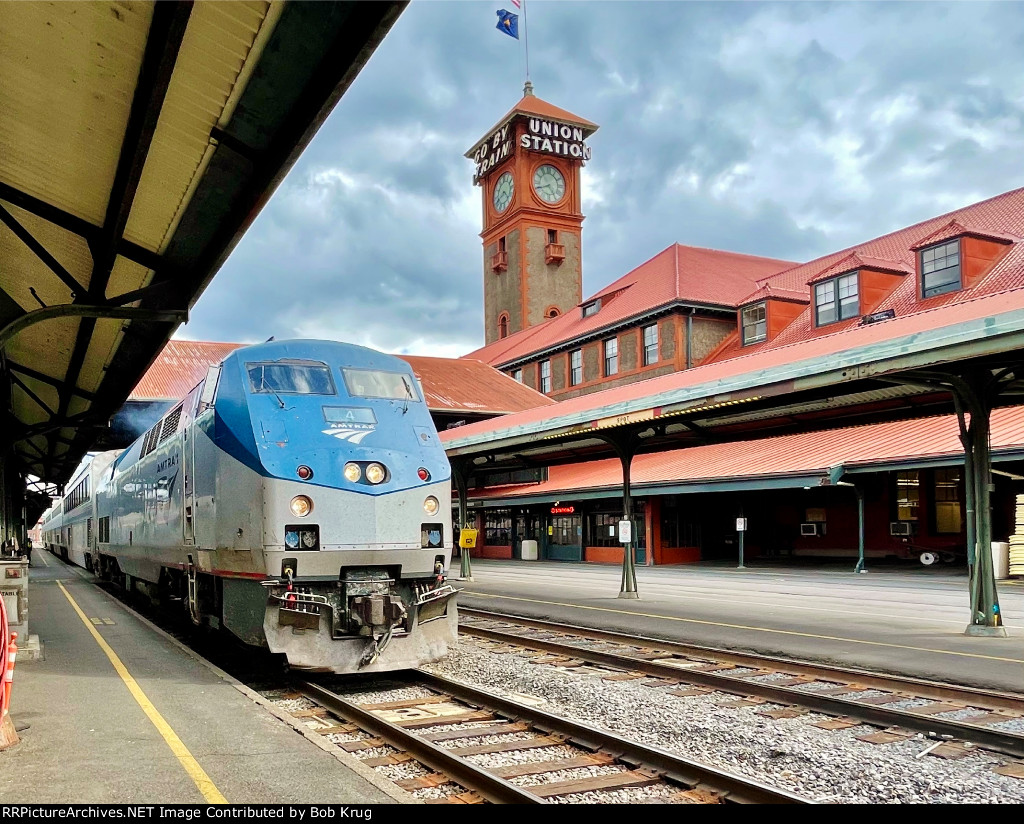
(468, 746)
(854, 696)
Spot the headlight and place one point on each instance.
(430, 505)
(375, 473)
(352, 472)
(301, 506)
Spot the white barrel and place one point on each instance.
(1001, 559)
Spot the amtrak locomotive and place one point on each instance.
(299, 497)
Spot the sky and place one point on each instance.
(789, 130)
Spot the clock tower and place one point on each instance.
(528, 169)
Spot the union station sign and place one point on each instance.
(544, 136)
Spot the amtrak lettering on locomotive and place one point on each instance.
(300, 497)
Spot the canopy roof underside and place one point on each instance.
(138, 141)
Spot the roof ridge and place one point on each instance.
(951, 215)
(675, 249)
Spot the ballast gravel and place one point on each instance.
(793, 754)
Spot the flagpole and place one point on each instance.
(526, 42)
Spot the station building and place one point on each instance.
(688, 307)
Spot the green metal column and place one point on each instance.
(986, 618)
(625, 445)
(742, 533)
(628, 587)
(860, 530)
(970, 395)
(459, 476)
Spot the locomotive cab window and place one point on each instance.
(291, 378)
(373, 383)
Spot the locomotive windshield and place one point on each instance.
(371, 383)
(308, 378)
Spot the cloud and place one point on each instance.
(786, 130)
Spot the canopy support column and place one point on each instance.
(970, 396)
(459, 476)
(625, 448)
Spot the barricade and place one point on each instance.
(8, 655)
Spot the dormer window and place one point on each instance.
(755, 325)
(591, 308)
(940, 269)
(836, 299)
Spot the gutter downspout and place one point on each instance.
(689, 337)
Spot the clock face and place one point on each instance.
(503, 190)
(549, 184)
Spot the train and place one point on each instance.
(298, 497)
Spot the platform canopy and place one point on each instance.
(138, 141)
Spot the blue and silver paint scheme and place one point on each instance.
(205, 497)
(68, 527)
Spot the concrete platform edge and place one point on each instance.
(399, 795)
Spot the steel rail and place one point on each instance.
(692, 774)
(988, 699)
(996, 740)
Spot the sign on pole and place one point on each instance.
(741, 524)
(625, 532)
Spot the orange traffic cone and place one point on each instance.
(12, 652)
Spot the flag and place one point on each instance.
(508, 23)
(516, 3)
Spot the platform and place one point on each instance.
(85, 737)
(903, 620)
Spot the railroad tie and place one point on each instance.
(423, 782)
(541, 767)
(1014, 769)
(612, 781)
(408, 702)
(509, 746)
(475, 732)
(935, 709)
(885, 736)
(842, 723)
(362, 744)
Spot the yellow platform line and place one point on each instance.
(195, 772)
(754, 629)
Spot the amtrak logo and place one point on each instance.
(350, 435)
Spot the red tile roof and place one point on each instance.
(450, 385)
(940, 315)
(178, 368)
(472, 387)
(677, 274)
(776, 292)
(1001, 218)
(853, 262)
(964, 226)
(786, 455)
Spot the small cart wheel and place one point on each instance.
(929, 558)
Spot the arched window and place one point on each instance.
(552, 312)
(503, 326)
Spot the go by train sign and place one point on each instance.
(544, 136)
